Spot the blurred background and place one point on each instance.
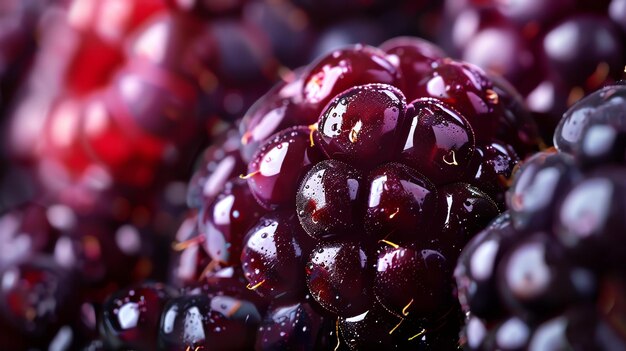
(106, 106)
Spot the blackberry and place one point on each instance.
(543, 275)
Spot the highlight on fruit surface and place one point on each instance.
(549, 273)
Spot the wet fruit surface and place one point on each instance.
(383, 212)
(329, 216)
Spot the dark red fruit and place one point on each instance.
(339, 278)
(414, 282)
(200, 322)
(289, 327)
(278, 109)
(130, 317)
(468, 89)
(440, 142)
(278, 166)
(400, 200)
(492, 168)
(462, 211)
(226, 221)
(362, 125)
(327, 200)
(219, 163)
(273, 255)
(378, 329)
(415, 58)
(343, 69)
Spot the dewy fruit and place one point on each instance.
(549, 273)
(368, 171)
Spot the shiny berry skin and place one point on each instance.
(535, 276)
(273, 255)
(199, 321)
(462, 211)
(475, 272)
(361, 126)
(602, 145)
(415, 58)
(440, 142)
(492, 168)
(224, 223)
(370, 330)
(588, 228)
(531, 198)
(219, 163)
(379, 329)
(327, 199)
(516, 126)
(339, 277)
(602, 106)
(345, 68)
(289, 326)
(278, 109)
(383, 211)
(278, 166)
(414, 282)
(131, 316)
(469, 90)
(400, 201)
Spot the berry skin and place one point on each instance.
(357, 202)
(199, 321)
(327, 199)
(475, 272)
(531, 198)
(225, 222)
(338, 277)
(415, 59)
(275, 171)
(400, 201)
(274, 253)
(440, 143)
(361, 125)
(289, 326)
(469, 90)
(343, 69)
(542, 276)
(406, 278)
(600, 107)
(131, 316)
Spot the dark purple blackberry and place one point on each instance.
(400, 189)
(356, 202)
(543, 276)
